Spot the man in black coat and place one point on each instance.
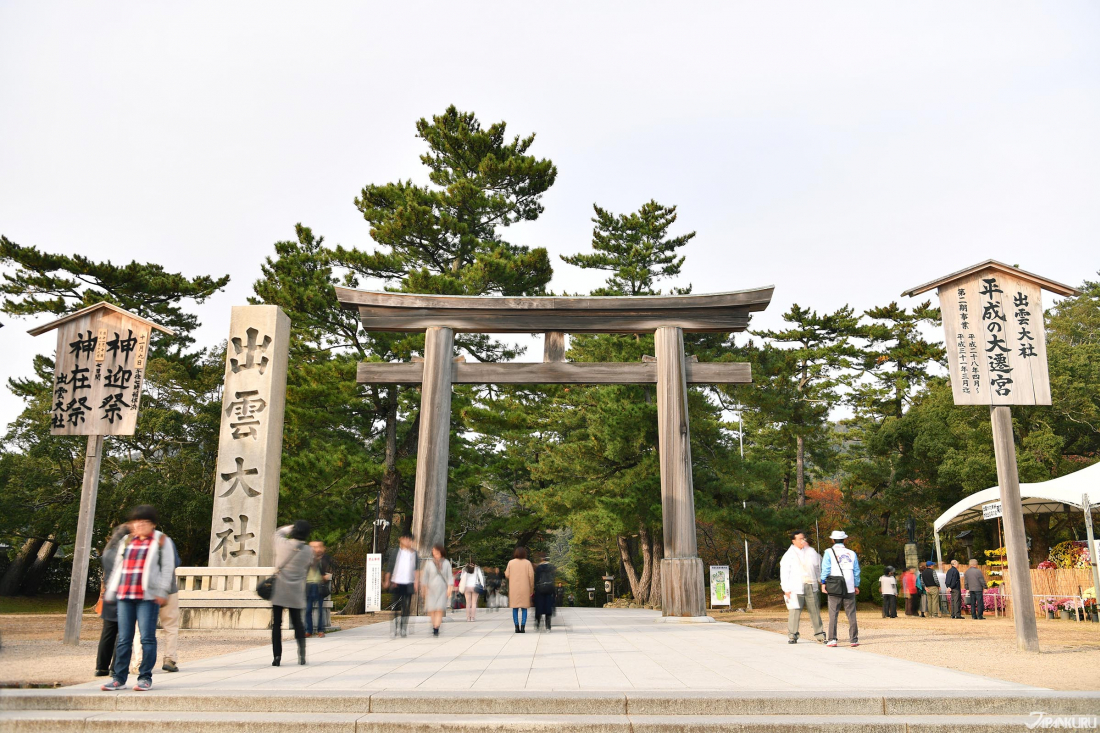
(954, 584)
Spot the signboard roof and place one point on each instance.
(1054, 287)
(39, 330)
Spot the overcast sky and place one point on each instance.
(840, 151)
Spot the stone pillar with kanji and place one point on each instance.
(250, 445)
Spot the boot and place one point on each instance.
(275, 662)
(301, 651)
(548, 623)
(517, 628)
(523, 629)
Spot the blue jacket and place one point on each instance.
(827, 564)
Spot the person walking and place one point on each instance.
(170, 619)
(888, 584)
(842, 565)
(139, 583)
(471, 585)
(954, 586)
(931, 581)
(318, 587)
(292, 559)
(798, 573)
(975, 586)
(521, 583)
(403, 578)
(909, 589)
(545, 591)
(108, 635)
(435, 580)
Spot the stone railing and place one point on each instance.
(224, 598)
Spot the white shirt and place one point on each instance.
(404, 568)
(799, 568)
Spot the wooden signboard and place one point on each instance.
(99, 369)
(98, 375)
(996, 351)
(995, 339)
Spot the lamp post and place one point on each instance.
(744, 505)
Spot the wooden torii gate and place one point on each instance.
(668, 316)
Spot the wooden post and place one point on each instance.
(430, 498)
(681, 568)
(553, 347)
(78, 584)
(1019, 569)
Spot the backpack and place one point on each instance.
(544, 579)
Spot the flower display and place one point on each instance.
(1070, 554)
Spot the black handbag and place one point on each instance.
(834, 584)
(266, 588)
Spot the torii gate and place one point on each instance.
(669, 316)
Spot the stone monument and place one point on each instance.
(246, 481)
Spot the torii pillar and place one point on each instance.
(681, 569)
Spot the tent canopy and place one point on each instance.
(1046, 497)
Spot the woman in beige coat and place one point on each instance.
(521, 584)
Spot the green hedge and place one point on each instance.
(869, 588)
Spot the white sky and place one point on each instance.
(842, 152)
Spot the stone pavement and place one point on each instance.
(588, 650)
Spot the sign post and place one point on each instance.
(1087, 506)
(997, 356)
(719, 585)
(99, 370)
(373, 601)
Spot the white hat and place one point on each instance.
(838, 534)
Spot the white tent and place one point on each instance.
(1046, 497)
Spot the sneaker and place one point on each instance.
(102, 672)
(831, 642)
(792, 641)
(320, 635)
(820, 639)
(855, 643)
(309, 634)
(112, 686)
(170, 666)
(143, 685)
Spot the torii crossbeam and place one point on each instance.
(667, 316)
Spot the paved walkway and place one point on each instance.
(588, 649)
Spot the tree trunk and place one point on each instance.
(646, 541)
(1038, 528)
(628, 566)
(786, 489)
(36, 573)
(387, 501)
(13, 578)
(801, 467)
(767, 564)
(655, 581)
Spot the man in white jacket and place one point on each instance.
(798, 573)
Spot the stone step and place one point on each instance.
(210, 722)
(633, 703)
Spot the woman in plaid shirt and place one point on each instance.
(139, 584)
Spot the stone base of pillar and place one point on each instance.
(682, 589)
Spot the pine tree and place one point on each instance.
(635, 247)
(823, 356)
(169, 459)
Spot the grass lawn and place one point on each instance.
(39, 604)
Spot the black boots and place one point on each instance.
(517, 628)
(547, 623)
(276, 661)
(301, 651)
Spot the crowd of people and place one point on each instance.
(931, 592)
(140, 590)
(439, 587)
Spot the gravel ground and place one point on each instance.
(31, 652)
(1069, 660)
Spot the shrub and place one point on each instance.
(869, 588)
